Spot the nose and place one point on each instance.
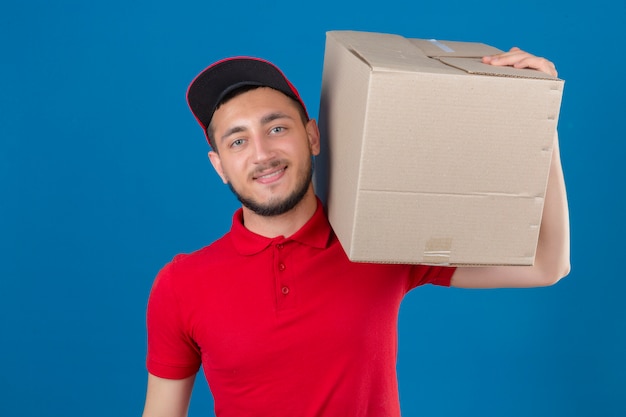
(262, 149)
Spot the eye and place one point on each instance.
(237, 143)
(277, 129)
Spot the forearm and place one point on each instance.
(553, 248)
(168, 397)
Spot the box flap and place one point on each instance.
(385, 52)
(477, 67)
(467, 56)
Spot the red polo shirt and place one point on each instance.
(283, 326)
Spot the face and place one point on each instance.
(265, 150)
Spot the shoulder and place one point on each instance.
(187, 266)
(205, 254)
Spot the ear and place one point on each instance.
(313, 134)
(217, 165)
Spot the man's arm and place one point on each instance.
(552, 258)
(168, 397)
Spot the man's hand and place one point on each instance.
(519, 59)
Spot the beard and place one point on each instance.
(276, 207)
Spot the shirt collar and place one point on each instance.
(315, 232)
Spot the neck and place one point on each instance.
(285, 224)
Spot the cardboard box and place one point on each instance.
(432, 156)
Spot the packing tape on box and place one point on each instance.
(441, 45)
(438, 250)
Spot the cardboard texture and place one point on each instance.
(433, 156)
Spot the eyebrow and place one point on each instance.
(274, 116)
(268, 118)
(232, 130)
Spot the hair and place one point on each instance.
(236, 92)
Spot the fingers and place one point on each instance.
(517, 58)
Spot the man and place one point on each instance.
(281, 321)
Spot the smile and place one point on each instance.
(270, 176)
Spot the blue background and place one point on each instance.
(104, 177)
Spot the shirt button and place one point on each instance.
(279, 246)
(281, 267)
(285, 290)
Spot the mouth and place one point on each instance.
(266, 177)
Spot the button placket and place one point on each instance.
(284, 289)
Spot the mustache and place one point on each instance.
(260, 169)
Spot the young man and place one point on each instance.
(281, 321)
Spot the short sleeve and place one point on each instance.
(436, 275)
(172, 353)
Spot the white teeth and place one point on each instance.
(272, 174)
